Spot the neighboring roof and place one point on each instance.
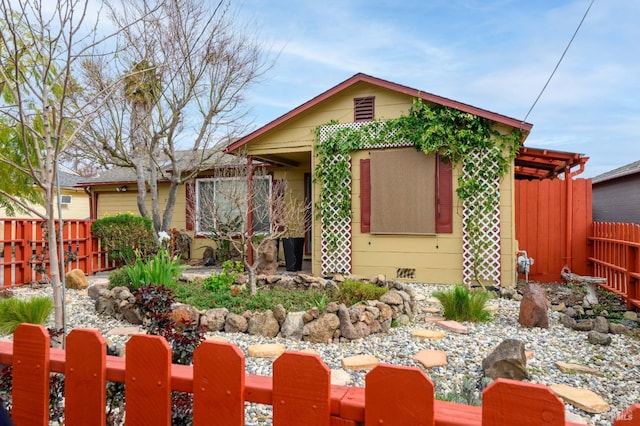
(69, 179)
(537, 163)
(122, 175)
(626, 170)
(358, 78)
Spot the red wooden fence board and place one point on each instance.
(301, 389)
(85, 377)
(30, 388)
(148, 381)
(218, 384)
(629, 417)
(398, 396)
(507, 402)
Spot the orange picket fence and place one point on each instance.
(23, 250)
(616, 257)
(300, 390)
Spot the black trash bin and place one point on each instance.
(293, 253)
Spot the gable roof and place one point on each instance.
(358, 78)
(626, 170)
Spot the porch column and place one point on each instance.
(249, 209)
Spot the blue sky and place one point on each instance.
(493, 54)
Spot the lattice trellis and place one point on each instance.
(481, 227)
(336, 236)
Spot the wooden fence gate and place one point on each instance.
(553, 222)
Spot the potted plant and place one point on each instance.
(295, 221)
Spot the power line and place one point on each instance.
(559, 61)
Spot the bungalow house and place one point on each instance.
(394, 210)
(616, 195)
(74, 201)
(402, 216)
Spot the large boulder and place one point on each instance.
(322, 329)
(533, 307)
(347, 330)
(263, 324)
(235, 323)
(214, 319)
(293, 325)
(76, 280)
(507, 361)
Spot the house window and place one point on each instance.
(363, 108)
(221, 204)
(400, 192)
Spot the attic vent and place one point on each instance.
(406, 273)
(65, 199)
(363, 108)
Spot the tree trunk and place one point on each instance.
(170, 205)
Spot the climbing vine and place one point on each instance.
(432, 129)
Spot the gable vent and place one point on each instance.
(363, 108)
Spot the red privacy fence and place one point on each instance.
(23, 242)
(616, 257)
(300, 390)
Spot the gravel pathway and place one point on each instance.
(619, 363)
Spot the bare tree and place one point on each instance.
(186, 67)
(243, 206)
(41, 46)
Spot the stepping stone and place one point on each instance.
(528, 355)
(340, 377)
(433, 300)
(125, 331)
(268, 350)
(420, 297)
(423, 333)
(492, 307)
(217, 339)
(582, 398)
(431, 358)
(360, 362)
(434, 319)
(309, 351)
(454, 326)
(431, 310)
(574, 418)
(567, 367)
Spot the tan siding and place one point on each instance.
(78, 209)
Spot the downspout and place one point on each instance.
(249, 209)
(569, 226)
(92, 205)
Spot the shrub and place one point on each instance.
(224, 279)
(14, 312)
(154, 303)
(119, 278)
(352, 292)
(160, 269)
(124, 234)
(460, 304)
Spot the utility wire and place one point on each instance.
(559, 61)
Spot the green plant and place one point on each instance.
(161, 269)
(14, 311)
(460, 304)
(319, 302)
(351, 292)
(465, 393)
(226, 277)
(122, 235)
(119, 278)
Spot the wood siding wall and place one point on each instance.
(541, 226)
(617, 200)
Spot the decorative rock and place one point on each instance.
(615, 328)
(582, 398)
(385, 311)
(322, 329)
(332, 307)
(279, 313)
(584, 325)
(630, 315)
(507, 293)
(574, 418)
(533, 308)
(430, 318)
(433, 300)
(454, 326)
(125, 331)
(235, 323)
(131, 314)
(601, 325)
(598, 338)
(571, 312)
(528, 355)
(508, 360)
(567, 367)
(269, 350)
(217, 339)
(97, 290)
(347, 330)
(517, 297)
(360, 362)
(392, 297)
(214, 319)
(559, 308)
(75, 279)
(340, 377)
(309, 351)
(423, 333)
(264, 324)
(431, 310)
(183, 314)
(293, 325)
(403, 320)
(431, 358)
